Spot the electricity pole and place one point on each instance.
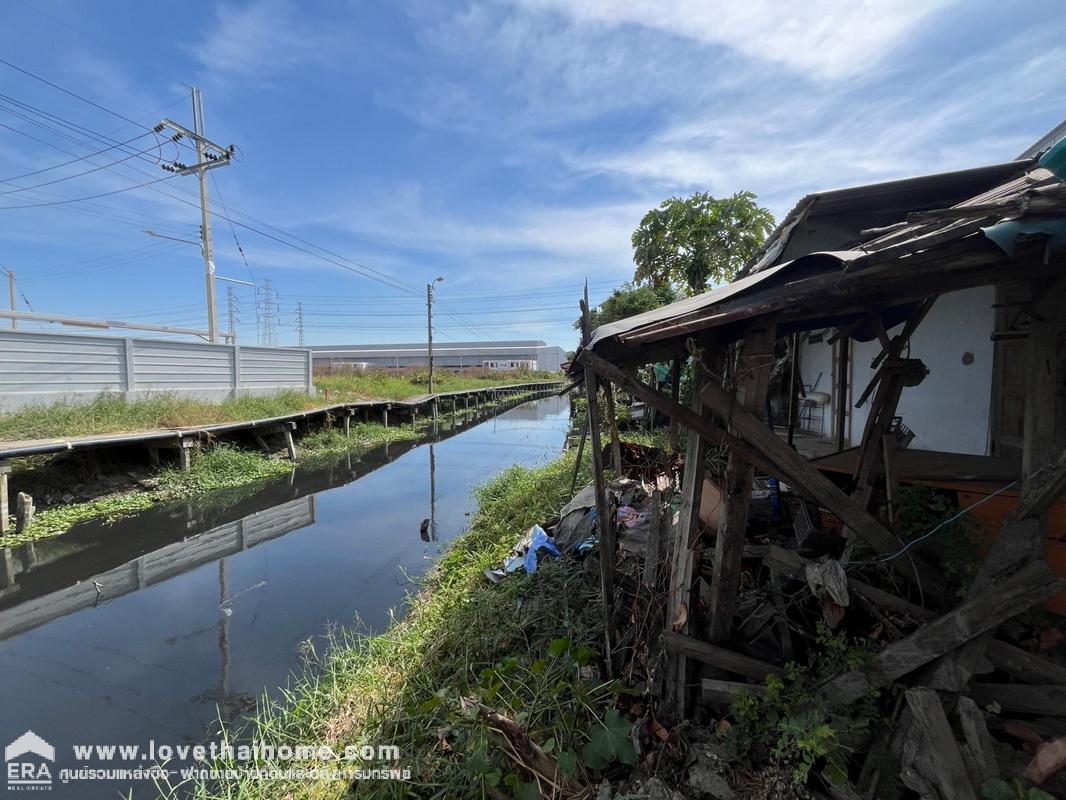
(208, 156)
(11, 296)
(300, 324)
(429, 328)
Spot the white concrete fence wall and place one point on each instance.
(43, 368)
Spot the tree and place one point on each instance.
(628, 300)
(700, 240)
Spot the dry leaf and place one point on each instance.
(660, 732)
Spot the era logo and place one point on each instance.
(29, 773)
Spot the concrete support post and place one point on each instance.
(235, 384)
(131, 369)
(348, 423)
(385, 416)
(5, 514)
(185, 448)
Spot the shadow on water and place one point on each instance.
(156, 625)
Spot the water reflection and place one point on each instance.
(157, 626)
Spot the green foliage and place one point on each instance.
(405, 383)
(609, 741)
(628, 300)
(955, 547)
(999, 789)
(699, 240)
(796, 730)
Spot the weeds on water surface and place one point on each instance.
(526, 647)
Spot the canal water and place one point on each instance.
(156, 627)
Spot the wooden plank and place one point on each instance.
(682, 557)
(1019, 592)
(1047, 700)
(720, 657)
(722, 693)
(1023, 665)
(675, 396)
(753, 370)
(612, 427)
(932, 764)
(653, 547)
(977, 749)
(798, 471)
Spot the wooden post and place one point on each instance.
(793, 391)
(753, 373)
(682, 556)
(675, 395)
(603, 512)
(612, 426)
(843, 364)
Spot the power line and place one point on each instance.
(73, 160)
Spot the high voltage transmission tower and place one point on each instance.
(231, 309)
(208, 156)
(268, 336)
(300, 324)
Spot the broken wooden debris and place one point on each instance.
(977, 615)
(793, 467)
(932, 765)
(1021, 698)
(1023, 665)
(722, 693)
(977, 747)
(719, 657)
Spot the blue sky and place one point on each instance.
(510, 146)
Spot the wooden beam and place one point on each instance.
(675, 396)
(843, 373)
(977, 615)
(932, 763)
(1023, 665)
(612, 427)
(603, 512)
(722, 693)
(797, 470)
(685, 416)
(719, 657)
(753, 373)
(1048, 700)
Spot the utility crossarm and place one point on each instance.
(220, 158)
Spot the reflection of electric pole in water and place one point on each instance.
(223, 635)
(428, 531)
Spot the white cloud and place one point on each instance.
(821, 38)
(258, 40)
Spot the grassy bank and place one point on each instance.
(109, 414)
(218, 467)
(528, 648)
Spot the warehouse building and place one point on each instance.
(455, 356)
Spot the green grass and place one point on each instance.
(332, 441)
(524, 647)
(220, 467)
(400, 385)
(113, 414)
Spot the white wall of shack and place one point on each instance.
(950, 409)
